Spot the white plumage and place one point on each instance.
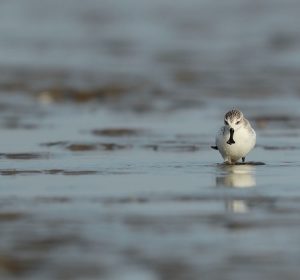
(236, 138)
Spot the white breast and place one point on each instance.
(245, 139)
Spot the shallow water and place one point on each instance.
(107, 118)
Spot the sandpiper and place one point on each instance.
(236, 138)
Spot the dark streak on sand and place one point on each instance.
(25, 156)
(117, 132)
(250, 163)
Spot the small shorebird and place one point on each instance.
(236, 138)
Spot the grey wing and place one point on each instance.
(221, 131)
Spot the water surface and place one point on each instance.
(107, 118)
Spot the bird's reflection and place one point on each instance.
(236, 176)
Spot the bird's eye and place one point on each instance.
(226, 122)
(237, 122)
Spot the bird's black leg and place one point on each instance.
(243, 159)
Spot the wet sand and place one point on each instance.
(107, 117)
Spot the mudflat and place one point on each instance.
(107, 115)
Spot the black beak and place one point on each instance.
(231, 141)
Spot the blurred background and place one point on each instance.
(180, 50)
(107, 113)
